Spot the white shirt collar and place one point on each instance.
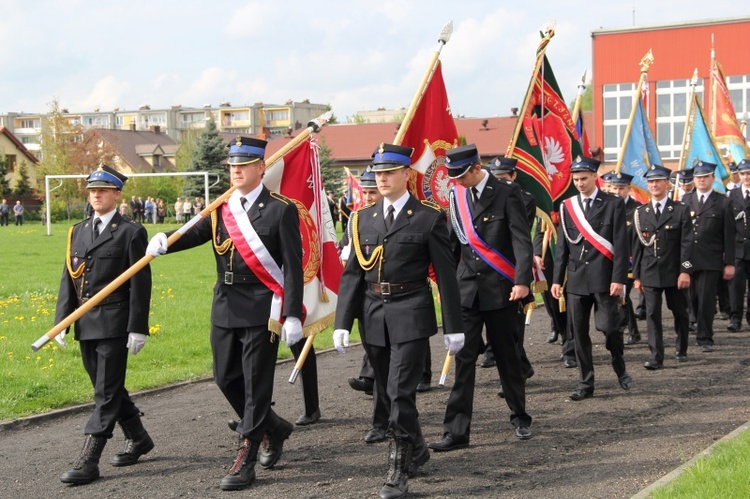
(105, 219)
(592, 196)
(662, 204)
(252, 196)
(482, 183)
(397, 205)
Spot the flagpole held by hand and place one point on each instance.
(301, 359)
(312, 126)
(446, 368)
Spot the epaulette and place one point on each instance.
(509, 182)
(432, 204)
(527, 193)
(367, 206)
(281, 198)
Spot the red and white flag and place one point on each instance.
(353, 191)
(297, 176)
(432, 131)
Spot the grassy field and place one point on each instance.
(723, 473)
(53, 377)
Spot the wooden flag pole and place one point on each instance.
(579, 98)
(446, 369)
(689, 121)
(92, 302)
(445, 35)
(645, 63)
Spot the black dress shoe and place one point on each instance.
(640, 315)
(523, 432)
(552, 338)
(580, 394)
(724, 316)
(305, 420)
(361, 385)
(652, 365)
(488, 361)
(707, 348)
(691, 326)
(633, 339)
(734, 327)
(233, 424)
(273, 444)
(530, 373)
(570, 363)
(375, 435)
(501, 392)
(626, 382)
(681, 357)
(449, 442)
(424, 387)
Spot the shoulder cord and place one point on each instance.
(637, 223)
(367, 264)
(457, 228)
(565, 227)
(74, 274)
(225, 245)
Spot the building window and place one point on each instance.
(280, 115)
(30, 124)
(10, 162)
(618, 101)
(739, 90)
(157, 160)
(672, 102)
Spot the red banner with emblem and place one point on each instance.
(432, 131)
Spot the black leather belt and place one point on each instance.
(232, 278)
(113, 298)
(392, 288)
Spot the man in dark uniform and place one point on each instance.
(661, 263)
(505, 169)
(592, 248)
(739, 200)
(394, 242)
(621, 187)
(258, 250)
(491, 235)
(725, 305)
(713, 249)
(99, 251)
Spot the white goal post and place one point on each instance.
(47, 189)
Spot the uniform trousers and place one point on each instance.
(703, 287)
(606, 318)
(737, 295)
(106, 363)
(244, 368)
(677, 303)
(627, 313)
(380, 402)
(398, 367)
(500, 325)
(308, 377)
(559, 320)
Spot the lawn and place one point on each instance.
(53, 377)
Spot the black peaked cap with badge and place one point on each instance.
(460, 159)
(502, 164)
(584, 164)
(245, 150)
(389, 157)
(106, 177)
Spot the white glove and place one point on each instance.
(157, 246)
(341, 339)
(60, 339)
(454, 342)
(136, 342)
(291, 331)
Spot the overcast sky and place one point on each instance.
(355, 55)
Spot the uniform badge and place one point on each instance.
(260, 205)
(670, 208)
(692, 214)
(367, 249)
(75, 261)
(409, 212)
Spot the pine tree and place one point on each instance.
(332, 178)
(208, 153)
(23, 186)
(4, 184)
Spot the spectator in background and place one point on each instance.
(334, 210)
(18, 212)
(344, 211)
(178, 210)
(148, 208)
(88, 210)
(133, 208)
(4, 213)
(161, 211)
(187, 210)
(123, 208)
(141, 209)
(197, 206)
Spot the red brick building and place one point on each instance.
(678, 49)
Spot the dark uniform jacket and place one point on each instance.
(630, 206)
(119, 245)
(660, 264)
(247, 302)
(500, 220)
(713, 230)
(589, 271)
(741, 217)
(417, 238)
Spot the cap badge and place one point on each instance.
(238, 142)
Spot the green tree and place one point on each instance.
(333, 120)
(332, 176)
(4, 184)
(23, 186)
(207, 155)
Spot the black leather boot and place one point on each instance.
(86, 468)
(137, 442)
(273, 442)
(242, 472)
(396, 483)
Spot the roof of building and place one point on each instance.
(354, 142)
(19, 145)
(132, 146)
(686, 24)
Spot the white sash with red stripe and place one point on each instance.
(253, 252)
(584, 227)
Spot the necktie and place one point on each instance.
(474, 196)
(244, 202)
(747, 198)
(700, 201)
(96, 228)
(658, 211)
(389, 217)
(586, 206)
